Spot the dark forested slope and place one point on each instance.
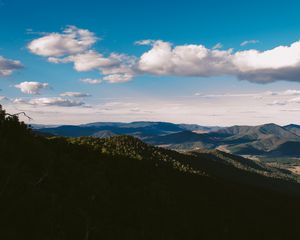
(121, 188)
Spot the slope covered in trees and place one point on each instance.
(121, 188)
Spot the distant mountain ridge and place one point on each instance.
(263, 140)
(258, 139)
(138, 129)
(293, 128)
(241, 140)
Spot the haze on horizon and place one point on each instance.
(180, 62)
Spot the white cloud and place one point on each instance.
(91, 81)
(115, 67)
(32, 87)
(270, 98)
(145, 42)
(75, 94)
(185, 60)
(8, 66)
(72, 41)
(221, 110)
(87, 61)
(276, 58)
(53, 101)
(74, 45)
(279, 63)
(116, 78)
(291, 92)
(284, 98)
(218, 46)
(249, 42)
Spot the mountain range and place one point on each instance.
(268, 140)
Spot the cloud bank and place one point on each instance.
(280, 63)
(51, 101)
(222, 110)
(74, 45)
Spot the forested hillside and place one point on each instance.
(121, 188)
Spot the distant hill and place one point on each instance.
(186, 140)
(198, 128)
(263, 140)
(260, 132)
(141, 130)
(293, 128)
(260, 140)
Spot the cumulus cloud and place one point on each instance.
(86, 61)
(74, 46)
(185, 60)
(32, 87)
(249, 42)
(279, 63)
(114, 65)
(75, 94)
(91, 81)
(72, 41)
(53, 101)
(8, 66)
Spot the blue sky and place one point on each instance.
(225, 87)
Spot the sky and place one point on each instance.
(204, 62)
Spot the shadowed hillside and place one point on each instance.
(122, 188)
